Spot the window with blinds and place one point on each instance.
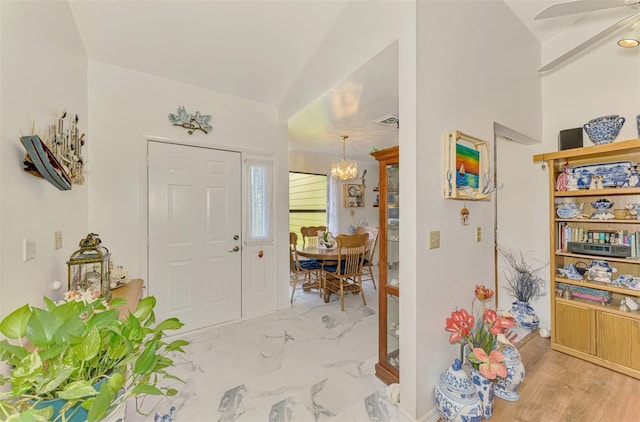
(307, 201)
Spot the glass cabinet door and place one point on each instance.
(393, 265)
(388, 366)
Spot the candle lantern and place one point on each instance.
(88, 268)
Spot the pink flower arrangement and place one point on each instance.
(480, 335)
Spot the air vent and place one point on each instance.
(388, 120)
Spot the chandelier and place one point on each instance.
(345, 169)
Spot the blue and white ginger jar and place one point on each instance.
(506, 388)
(456, 397)
(524, 314)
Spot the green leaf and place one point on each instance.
(28, 366)
(60, 375)
(10, 352)
(145, 306)
(71, 331)
(170, 324)
(89, 347)
(42, 327)
(103, 319)
(170, 392)
(147, 389)
(116, 381)
(33, 415)
(100, 404)
(151, 320)
(135, 330)
(14, 325)
(77, 390)
(53, 352)
(118, 302)
(147, 359)
(50, 304)
(176, 346)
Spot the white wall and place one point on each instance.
(127, 107)
(476, 66)
(44, 71)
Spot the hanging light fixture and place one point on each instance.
(632, 37)
(345, 169)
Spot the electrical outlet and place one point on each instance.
(58, 236)
(478, 234)
(434, 239)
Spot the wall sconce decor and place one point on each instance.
(191, 122)
(58, 158)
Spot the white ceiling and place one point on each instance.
(256, 50)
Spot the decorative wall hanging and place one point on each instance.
(464, 216)
(190, 121)
(353, 195)
(58, 158)
(467, 174)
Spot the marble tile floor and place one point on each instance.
(310, 362)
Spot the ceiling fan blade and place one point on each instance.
(577, 6)
(600, 35)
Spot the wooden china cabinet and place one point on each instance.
(388, 366)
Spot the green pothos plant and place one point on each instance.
(83, 353)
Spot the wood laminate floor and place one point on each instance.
(559, 387)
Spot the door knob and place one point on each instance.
(235, 249)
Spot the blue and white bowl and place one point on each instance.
(603, 130)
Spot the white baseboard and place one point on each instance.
(431, 416)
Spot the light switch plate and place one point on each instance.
(28, 249)
(434, 239)
(58, 237)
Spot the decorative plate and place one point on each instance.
(353, 191)
(614, 174)
(564, 211)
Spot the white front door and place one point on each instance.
(194, 233)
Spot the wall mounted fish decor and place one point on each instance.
(191, 122)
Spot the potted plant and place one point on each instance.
(525, 283)
(76, 360)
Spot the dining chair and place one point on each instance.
(310, 235)
(367, 268)
(302, 270)
(346, 275)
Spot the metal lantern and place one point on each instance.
(89, 268)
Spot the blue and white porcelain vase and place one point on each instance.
(485, 389)
(603, 130)
(456, 397)
(524, 314)
(506, 388)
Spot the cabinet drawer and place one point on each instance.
(619, 339)
(574, 327)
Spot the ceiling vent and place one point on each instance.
(389, 120)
